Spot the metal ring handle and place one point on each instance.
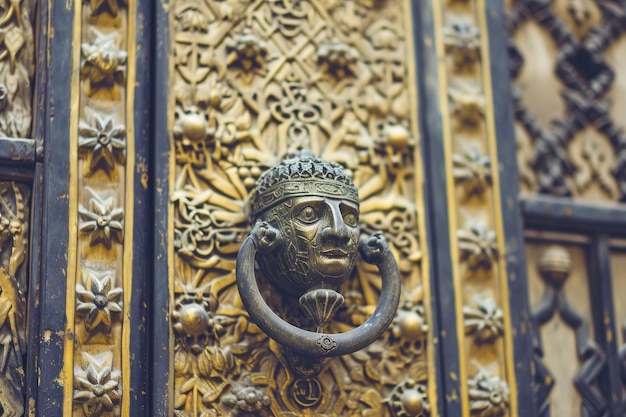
(374, 250)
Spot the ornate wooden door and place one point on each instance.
(133, 132)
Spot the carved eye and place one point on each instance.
(350, 219)
(308, 215)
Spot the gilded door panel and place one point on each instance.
(251, 82)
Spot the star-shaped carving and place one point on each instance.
(110, 6)
(104, 64)
(103, 141)
(102, 220)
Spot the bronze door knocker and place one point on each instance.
(305, 238)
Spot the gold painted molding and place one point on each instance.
(99, 271)
(487, 379)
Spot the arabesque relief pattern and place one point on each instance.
(486, 373)
(251, 82)
(99, 188)
(17, 68)
(14, 233)
(566, 59)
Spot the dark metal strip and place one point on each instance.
(604, 321)
(511, 215)
(17, 152)
(559, 214)
(143, 220)
(438, 233)
(160, 358)
(55, 214)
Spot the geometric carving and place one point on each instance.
(17, 69)
(338, 59)
(584, 146)
(247, 51)
(554, 265)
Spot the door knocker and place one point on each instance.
(305, 239)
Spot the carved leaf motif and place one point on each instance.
(373, 400)
(14, 41)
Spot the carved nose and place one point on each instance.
(336, 229)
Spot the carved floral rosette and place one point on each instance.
(252, 82)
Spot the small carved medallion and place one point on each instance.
(307, 392)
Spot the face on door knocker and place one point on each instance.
(306, 238)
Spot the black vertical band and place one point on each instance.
(159, 326)
(438, 232)
(511, 213)
(604, 320)
(55, 232)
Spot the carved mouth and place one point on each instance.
(334, 253)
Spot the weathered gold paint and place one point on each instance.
(497, 210)
(419, 196)
(442, 72)
(493, 211)
(129, 200)
(72, 245)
